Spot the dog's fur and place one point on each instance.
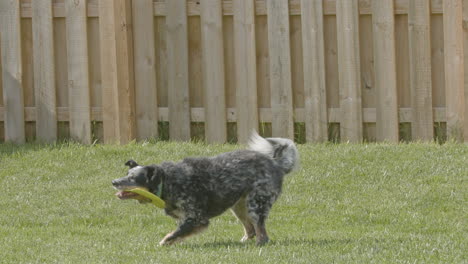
(197, 189)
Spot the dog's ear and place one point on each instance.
(151, 172)
(131, 164)
(154, 175)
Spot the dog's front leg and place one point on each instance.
(188, 227)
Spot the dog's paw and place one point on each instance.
(164, 243)
(262, 241)
(246, 238)
(168, 240)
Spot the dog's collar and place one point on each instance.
(159, 189)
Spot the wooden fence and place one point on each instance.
(118, 70)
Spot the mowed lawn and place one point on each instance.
(367, 203)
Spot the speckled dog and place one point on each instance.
(197, 189)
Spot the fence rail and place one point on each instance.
(317, 70)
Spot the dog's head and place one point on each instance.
(146, 177)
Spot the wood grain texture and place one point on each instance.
(437, 61)
(213, 71)
(331, 61)
(245, 69)
(177, 58)
(125, 70)
(365, 7)
(314, 71)
(108, 71)
(229, 67)
(44, 71)
(385, 70)
(193, 8)
(454, 69)
(465, 51)
(61, 64)
(28, 76)
(280, 69)
(402, 60)
(117, 71)
(145, 70)
(12, 71)
(420, 70)
(349, 70)
(263, 62)
(375, 55)
(197, 114)
(78, 72)
(297, 64)
(94, 59)
(195, 66)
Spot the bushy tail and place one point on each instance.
(282, 150)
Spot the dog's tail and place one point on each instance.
(282, 150)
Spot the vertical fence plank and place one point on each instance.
(368, 89)
(78, 74)
(262, 71)
(347, 14)
(454, 69)
(331, 61)
(245, 68)
(420, 69)
(314, 71)
(145, 70)
(177, 57)
(117, 71)
(465, 51)
(437, 64)
(213, 71)
(13, 100)
(28, 76)
(108, 71)
(280, 69)
(44, 75)
(125, 70)
(385, 70)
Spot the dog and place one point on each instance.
(199, 188)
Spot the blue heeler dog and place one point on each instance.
(196, 189)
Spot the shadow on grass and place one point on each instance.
(281, 242)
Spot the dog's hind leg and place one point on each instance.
(258, 206)
(188, 227)
(240, 211)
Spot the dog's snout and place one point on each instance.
(115, 182)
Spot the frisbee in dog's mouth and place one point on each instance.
(142, 195)
(126, 195)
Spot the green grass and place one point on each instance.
(369, 203)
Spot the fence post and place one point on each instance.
(117, 70)
(465, 70)
(246, 68)
(178, 71)
(314, 71)
(44, 71)
(145, 70)
(280, 69)
(385, 70)
(454, 69)
(78, 73)
(349, 72)
(422, 126)
(12, 71)
(213, 71)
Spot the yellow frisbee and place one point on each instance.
(154, 199)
